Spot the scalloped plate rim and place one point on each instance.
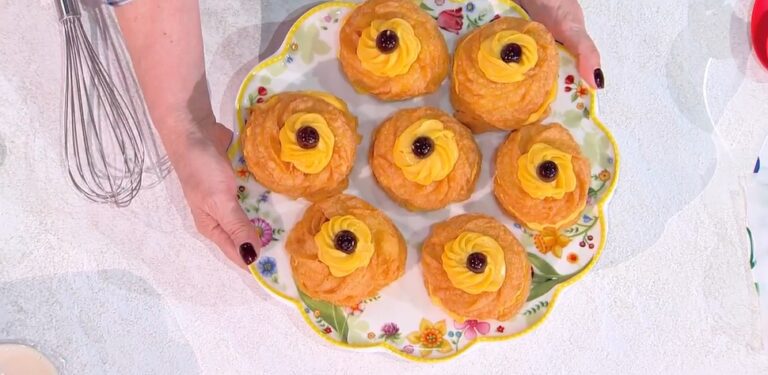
(234, 147)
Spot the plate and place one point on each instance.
(393, 320)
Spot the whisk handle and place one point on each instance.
(67, 8)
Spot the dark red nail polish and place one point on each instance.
(599, 78)
(248, 253)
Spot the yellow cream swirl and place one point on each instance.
(310, 161)
(490, 62)
(527, 172)
(455, 254)
(339, 263)
(393, 64)
(330, 99)
(435, 166)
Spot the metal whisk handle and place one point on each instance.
(67, 9)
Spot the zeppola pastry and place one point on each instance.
(474, 268)
(301, 144)
(425, 159)
(344, 250)
(541, 178)
(504, 75)
(393, 50)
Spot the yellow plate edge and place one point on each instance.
(234, 148)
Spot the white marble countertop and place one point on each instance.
(136, 290)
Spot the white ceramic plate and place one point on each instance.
(392, 320)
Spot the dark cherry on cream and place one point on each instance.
(387, 41)
(423, 147)
(511, 53)
(476, 262)
(307, 137)
(547, 171)
(345, 241)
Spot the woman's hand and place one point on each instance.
(565, 19)
(210, 189)
(165, 42)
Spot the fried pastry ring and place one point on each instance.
(442, 169)
(321, 263)
(315, 169)
(541, 178)
(392, 50)
(449, 256)
(504, 75)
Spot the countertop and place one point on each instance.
(136, 290)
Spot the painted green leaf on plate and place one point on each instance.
(595, 147)
(358, 332)
(545, 277)
(572, 118)
(541, 265)
(276, 69)
(310, 44)
(331, 314)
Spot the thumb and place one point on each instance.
(235, 223)
(576, 40)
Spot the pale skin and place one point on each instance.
(164, 39)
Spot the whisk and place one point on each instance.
(103, 143)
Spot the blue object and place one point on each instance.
(267, 266)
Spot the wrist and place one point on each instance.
(178, 137)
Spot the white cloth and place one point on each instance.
(137, 291)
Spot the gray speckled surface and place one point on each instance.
(138, 291)
(96, 315)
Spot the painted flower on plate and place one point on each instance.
(472, 327)
(429, 337)
(355, 309)
(390, 329)
(263, 229)
(550, 240)
(604, 175)
(451, 20)
(267, 266)
(263, 197)
(242, 172)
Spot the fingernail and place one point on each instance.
(599, 78)
(248, 253)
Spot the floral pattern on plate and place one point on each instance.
(419, 331)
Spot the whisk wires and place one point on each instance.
(103, 143)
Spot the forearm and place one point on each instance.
(165, 42)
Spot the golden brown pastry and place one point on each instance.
(301, 144)
(344, 250)
(541, 178)
(474, 268)
(393, 50)
(424, 159)
(504, 75)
